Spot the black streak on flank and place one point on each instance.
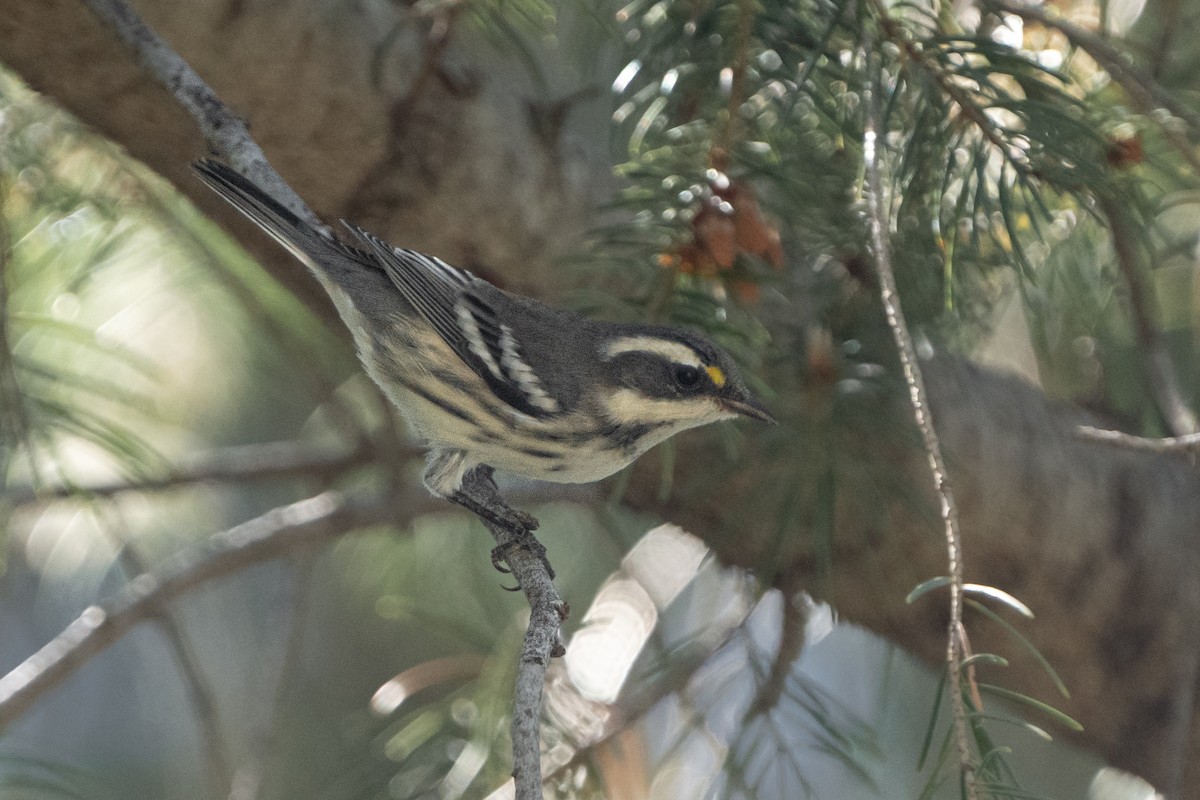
(575, 437)
(624, 437)
(536, 453)
(451, 379)
(464, 386)
(449, 408)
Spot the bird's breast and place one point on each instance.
(449, 406)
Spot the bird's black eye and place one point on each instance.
(687, 375)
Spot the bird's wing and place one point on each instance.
(454, 302)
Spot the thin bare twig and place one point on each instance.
(437, 39)
(1174, 444)
(281, 530)
(250, 462)
(878, 225)
(1164, 383)
(546, 614)
(792, 627)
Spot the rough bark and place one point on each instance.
(1097, 540)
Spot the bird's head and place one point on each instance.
(661, 375)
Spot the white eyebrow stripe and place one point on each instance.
(675, 352)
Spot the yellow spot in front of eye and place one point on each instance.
(718, 377)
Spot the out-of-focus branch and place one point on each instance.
(792, 624)
(1168, 17)
(255, 770)
(251, 462)
(1164, 383)
(1146, 93)
(1181, 421)
(877, 224)
(281, 530)
(200, 693)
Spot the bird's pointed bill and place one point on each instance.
(747, 406)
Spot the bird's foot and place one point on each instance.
(480, 496)
(529, 543)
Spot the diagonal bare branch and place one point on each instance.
(227, 135)
(302, 524)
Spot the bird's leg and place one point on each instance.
(479, 495)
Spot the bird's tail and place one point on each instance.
(316, 249)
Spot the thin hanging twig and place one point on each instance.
(877, 221)
(1156, 360)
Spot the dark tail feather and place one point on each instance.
(304, 242)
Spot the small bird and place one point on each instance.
(491, 379)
